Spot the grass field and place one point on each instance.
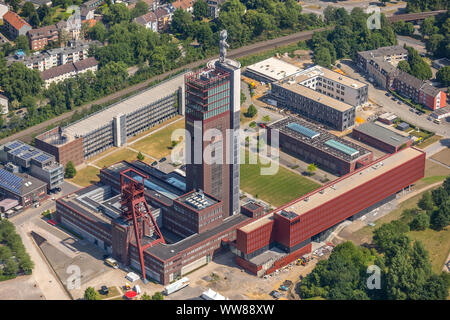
(86, 176)
(276, 189)
(121, 154)
(159, 144)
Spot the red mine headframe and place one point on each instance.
(135, 208)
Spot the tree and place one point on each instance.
(420, 222)
(145, 296)
(440, 218)
(251, 111)
(22, 43)
(323, 57)
(446, 184)
(140, 9)
(116, 13)
(19, 82)
(158, 296)
(427, 27)
(98, 32)
(182, 24)
(27, 10)
(312, 168)
(70, 170)
(439, 196)
(404, 66)
(443, 76)
(200, 9)
(91, 294)
(140, 156)
(426, 202)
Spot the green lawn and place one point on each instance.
(276, 189)
(119, 155)
(86, 176)
(158, 144)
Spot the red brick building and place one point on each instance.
(280, 237)
(40, 37)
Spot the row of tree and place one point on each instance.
(13, 257)
(427, 5)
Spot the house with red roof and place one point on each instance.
(15, 25)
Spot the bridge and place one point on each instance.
(415, 16)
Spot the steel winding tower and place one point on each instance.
(136, 210)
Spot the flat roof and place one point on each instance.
(319, 138)
(127, 106)
(197, 200)
(383, 134)
(351, 181)
(342, 79)
(274, 69)
(167, 251)
(257, 223)
(296, 87)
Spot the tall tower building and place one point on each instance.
(213, 106)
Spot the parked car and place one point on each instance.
(52, 222)
(162, 159)
(154, 163)
(399, 102)
(411, 109)
(387, 94)
(104, 290)
(284, 288)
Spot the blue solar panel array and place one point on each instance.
(10, 181)
(303, 130)
(342, 147)
(15, 144)
(42, 158)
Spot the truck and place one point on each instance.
(113, 263)
(177, 285)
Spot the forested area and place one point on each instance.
(427, 5)
(13, 257)
(350, 35)
(406, 270)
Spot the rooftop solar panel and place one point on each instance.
(15, 144)
(342, 147)
(10, 181)
(42, 158)
(303, 130)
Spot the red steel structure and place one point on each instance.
(135, 209)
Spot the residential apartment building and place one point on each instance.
(75, 51)
(68, 70)
(15, 25)
(148, 20)
(40, 37)
(186, 5)
(391, 54)
(214, 7)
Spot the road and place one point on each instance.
(27, 134)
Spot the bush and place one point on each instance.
(91, 294)
(251, 111)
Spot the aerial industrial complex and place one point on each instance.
(166, 224)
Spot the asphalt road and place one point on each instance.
(27, 134)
